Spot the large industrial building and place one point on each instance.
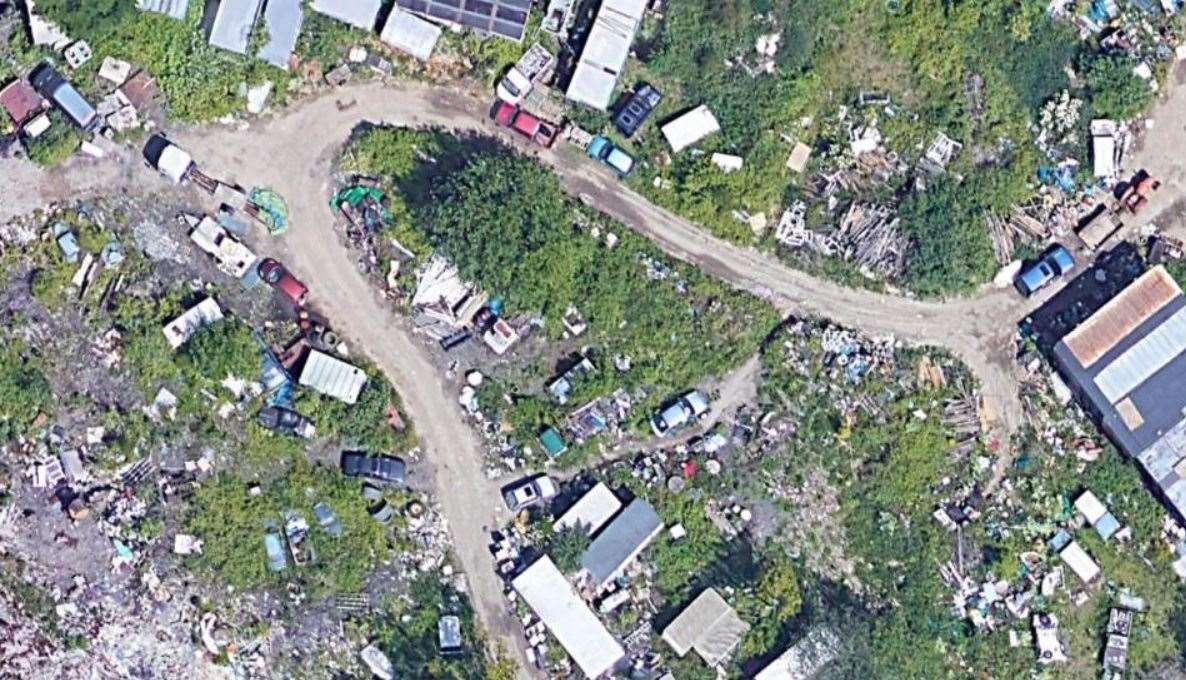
(1126, 364)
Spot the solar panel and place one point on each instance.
(506, 18)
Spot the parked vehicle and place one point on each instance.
(278, 277)
(327, 519)
(528, 492)
(51, 85)
(520, 79)
(531, 127)
(274, 549)
(296, 532)
(602, 149)
(679, 413)
(388, 469)
(1056, 262)
(167, 158)
(637, 109)
(287, 421)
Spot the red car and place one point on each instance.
(538, 131)
(279, 278)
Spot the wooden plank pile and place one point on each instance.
(871, 238)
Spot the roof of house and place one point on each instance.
(690, 128)
(591, 511)
(612, 550)
(503, 18)
(20, 101)
(410, 34)
(605, 52)
(359, 13)
(708, 625)
(1127, 362)
(333, 377)
(1080, 562)
(803, 659)
(232, 25)
(282, 19)
(174, 9)
(181, 329)
(569, 619)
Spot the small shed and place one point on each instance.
(709, 626)
(410, 34)
(174, 9)
(233, 21)
(1080, 562)
(282, 20)
(552, 442)
(591, 511)
(358, 13)
(21, 102)
(689, 128)
(332, 377)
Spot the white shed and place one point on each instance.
(591, 511)
(1080, 562)
(333, 377)
(410, 34)
(690, 128)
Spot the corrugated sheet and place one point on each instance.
(1121, 315)
(708, 625)
(1148, 356)
(620, 542)
(333, 377)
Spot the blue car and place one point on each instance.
(1056, 262)
(604, 150)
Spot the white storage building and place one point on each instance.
(333, 377)
(591, 511)
(568, 618)
(690, 128)
(410, 34)
(605, 52)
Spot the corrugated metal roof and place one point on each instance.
(605, 52)
(1080, 562)
(569, 619)
(174, 9)
(708, 625)
(333, 377)
(360, 13)
(690, 128)
(620, 542)
(232, 25)
(1148, 356)
(1121, 315)
(282, 19)
(592, 511)
(409, 33)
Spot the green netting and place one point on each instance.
(273, 211)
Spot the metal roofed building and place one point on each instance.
(709, 626)
(21, 102)
(1080, 562)
(1126, 364)
(591, 511)
(606, 48)
(231, 29)
(358, 13)
(503, 18)
(612, 550)
(282, 20)
(174, 9)
(805, 658)
(569, 619)
(690, 128)
(333, 377)
(410, 34)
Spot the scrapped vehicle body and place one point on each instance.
(528, 492)
(296, 532)
(286, 421)
(278, 277)
(679, 413)
(387, 469)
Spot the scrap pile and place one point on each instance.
(871, 238)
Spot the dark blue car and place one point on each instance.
(1056, 262)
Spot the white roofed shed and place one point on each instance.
(568, 618)
(333, 377)
(690, 128)
(591, 511)
(410, 34)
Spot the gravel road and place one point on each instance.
(293, 153)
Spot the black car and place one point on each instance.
(387, 469)
(636, 111)
(285, 420)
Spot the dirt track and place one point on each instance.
(293, 152)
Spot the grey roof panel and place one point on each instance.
(505, 18)
(620, 542)
(232, 25)
(359, 13)
(1148, 356)
(283, 19)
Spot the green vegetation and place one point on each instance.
(231, 522)
(1116, 92)
(199, 82)
(24, 391)
(57, 143)
(566, 548)
(507, 225)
